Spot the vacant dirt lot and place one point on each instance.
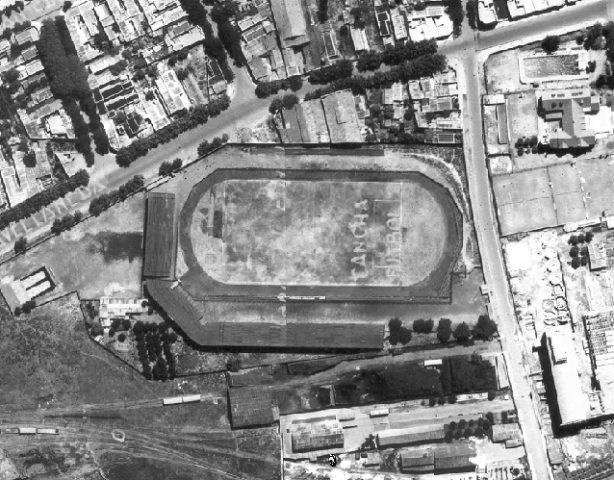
(100, 256)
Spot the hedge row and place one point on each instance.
(394, 55)
(423, 66)
(104, 201)
(199, 115)
(34, 204)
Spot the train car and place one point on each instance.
(191, 398)
(48, 431)
(172, 401)
(27, 431)
(381, 412)
(10, 430)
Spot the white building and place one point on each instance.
(119, 307)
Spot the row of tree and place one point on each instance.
(330, 73)
(266, 89)
(395, 54)
(66, 222)
(100, 203)
(206, 147)
(26, 308)
(68, 81)
(198, 115)
(197, 14)
(456, 13)
(467, 428)
(423, 66)
(288, 101)
(484, 329)
(36, 202)
(168, 168)
(229, 35)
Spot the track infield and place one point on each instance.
(335, 234)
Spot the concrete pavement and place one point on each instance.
(493, 266)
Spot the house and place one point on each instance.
(418, 461)
(172, 93)
(341, 117)
(597, 256)
(359, 39)
(290, 21)
(564, 112)
(502, 432)
(17, 292)
(487, 14)
(117, 307)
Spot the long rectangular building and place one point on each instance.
(160, 236)
(176, 302)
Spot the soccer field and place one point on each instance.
(321, 229)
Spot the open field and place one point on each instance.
(551, 66)
(100, 256)
(49, 358)
(521, 115)
(358, 230)
(555, 195)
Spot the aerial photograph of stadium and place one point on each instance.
(306, 240)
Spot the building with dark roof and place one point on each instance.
(417, 462)
(252, 407)
(160, 236)
(407, 436)
(321, 437)
(564, 111)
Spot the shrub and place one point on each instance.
(462, 333)
(444, 330)
(551, 43)
(394, 325)
(485, 328)
(423, 326)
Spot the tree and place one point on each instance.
(28, 306)
(573, 251)
(21, 245)
(551, 43)
(589, 236)
(289, 100)
(295, 83)
(485, 328)
(462, 333)
(275, 106)
(444, 330)
(472, 13)
(404, 335)
(575, 262)
(573, 240)
(11, 76)
(423, 326)
(29, 159)
(121, 337)
(165, 169)
(394, 325)
(584, 261)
